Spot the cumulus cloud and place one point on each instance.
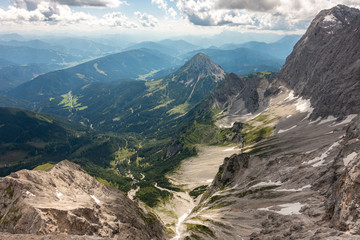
(146, 20)
(256, 14)
(162, 4)
(255, 5)
(116, 19)
(52, 12)
(32, 4)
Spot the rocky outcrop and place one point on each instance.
(343, 198)
(242, 95)
(325, 64)
(67, 200)
(231, 168)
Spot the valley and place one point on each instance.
(192, 177)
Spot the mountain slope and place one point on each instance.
(242, 61)
(324, 64)
(26, 55)
(14, 75)
(65, 199)
(279, 49)
(140, 106)
(122, 65)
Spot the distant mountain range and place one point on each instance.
(125, 65)
(170, 47)
(279, 49)
(241, 61)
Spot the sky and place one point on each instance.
(177, 17)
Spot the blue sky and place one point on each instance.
(173, 17)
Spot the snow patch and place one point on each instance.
(320, 160)
(285, 130)
(349, 158)
(269, 183)
(229, 149)
(330, 18)
(304, 105)
(328, 119)
(209, 181)
(58, 194)
(30, 194)
(289, 116)
(95, 199)
(293, 189)
(290, 97)
(286, 209)
(347, 120)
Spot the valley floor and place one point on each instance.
(193, 173)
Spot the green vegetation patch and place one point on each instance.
(179, 109)
(148, 75)
(71, 102)
(253, 135)
(103, 181)
(221, 205)
(10, 191)
(198, 191)
(253, 191)
(200, 228)
(44, 167)
(151, 195)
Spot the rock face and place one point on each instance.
(242, 95)
(325, 63)
(302, 182)
(231, 167)
(67, 200)
(344, 196)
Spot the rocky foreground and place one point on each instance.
(67, 203)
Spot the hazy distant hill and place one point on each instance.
(26, 55)
(242, 61)
(124, 65)
(279, 49)
(14, 75)
(167, 46)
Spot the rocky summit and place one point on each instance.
(66, 200)
(325, 65)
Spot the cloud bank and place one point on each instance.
(245, 15)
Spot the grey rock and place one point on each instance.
(66, 200)
(324, 65)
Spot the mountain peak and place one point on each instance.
(324, 65)
(200, 59)
(199, 66)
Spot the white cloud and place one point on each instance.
(162, 4)
(32, 4)
(260, 14)
(259, 5)
(53, 13)
(116, 19)
(146, 20)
